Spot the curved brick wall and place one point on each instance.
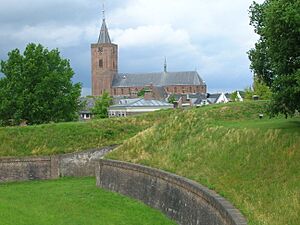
(180, 199)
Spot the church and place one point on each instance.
(106, 77)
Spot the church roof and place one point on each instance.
(104, 35)
(157, 79)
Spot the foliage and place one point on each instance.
(102, 104)
(252, 162)
(37, 87)
(142, 92)
(260, 89)
(276, 57)
(248, 93)
(172, 99)
(234, 96)
(71, 201)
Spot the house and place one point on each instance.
(217, 98)
(188, 100)
(86, 112)
(239, 97)
(132, 107)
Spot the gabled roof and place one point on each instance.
(104, 35)
(158, 79)
(213, 98)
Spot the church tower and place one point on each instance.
(104, 62)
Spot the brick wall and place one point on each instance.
(180, 199)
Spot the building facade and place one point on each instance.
(105, 75)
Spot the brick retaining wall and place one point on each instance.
(182, 200)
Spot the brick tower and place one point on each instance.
(104, 62)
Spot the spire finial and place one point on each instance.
(104, 36)
(165, 65)
(103, 10)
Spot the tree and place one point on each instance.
(142, 92)
(37, 87)
(172, 99)
(259, 89)
(100, 109)
(276, 57)
(234, 96)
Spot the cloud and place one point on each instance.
(213, 36)
(150, 35)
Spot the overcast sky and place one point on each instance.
(211, 36)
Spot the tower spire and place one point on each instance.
(165, 65)
(103, 11)
(104, 35)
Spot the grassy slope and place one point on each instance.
(52, 139)
(254, 163)
(73, 202)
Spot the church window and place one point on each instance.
(191, 90)
(122, 91)
(101, 63)
(115, 91)
(100, 50)
(175, 89)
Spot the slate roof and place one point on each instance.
(104, 35)
(158, 79)
(213, 98)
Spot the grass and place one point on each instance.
(254, 163)
(60, 138)
(71, 201)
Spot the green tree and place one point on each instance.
(37, 87)
(142, 92)
(234, 96)
(276, 57)
(259, 89)
(102, 104)
(172, 99)
(248, 93)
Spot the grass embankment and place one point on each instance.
(60, 138)
(73, 202)
(253, 163)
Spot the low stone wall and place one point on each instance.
(182, 200)
(28, 168)
(76, 164)
(81, 164)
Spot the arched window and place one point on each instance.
(101, 63)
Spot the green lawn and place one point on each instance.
(254, 163)
(73, 202)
